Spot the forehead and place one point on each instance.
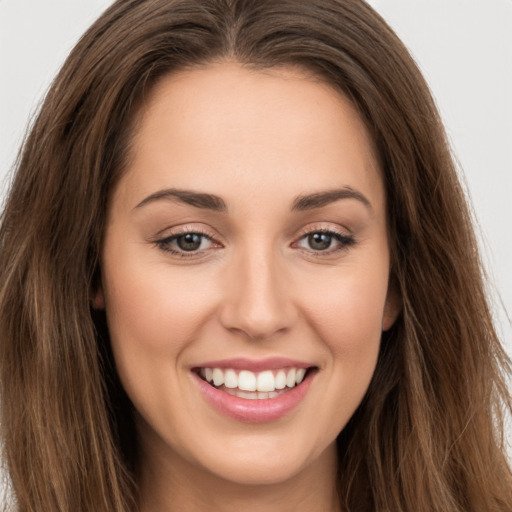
(224, 126)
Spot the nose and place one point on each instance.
(257, 297)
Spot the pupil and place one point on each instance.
(189, 242)
(319, 241)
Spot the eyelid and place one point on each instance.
(179, 229)
(324, 227)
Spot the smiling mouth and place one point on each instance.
(254, 385)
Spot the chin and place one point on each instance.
(255, 461)
(253, 470)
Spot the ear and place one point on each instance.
(98, 299)
(393, 306)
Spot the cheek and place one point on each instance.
(348, 320)
(152, 309)
(153, 316)
(348, 313)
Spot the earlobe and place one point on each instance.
(392, 308)
(98, 300)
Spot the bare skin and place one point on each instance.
(291, 260)
(311, 490)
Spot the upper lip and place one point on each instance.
(255, 365)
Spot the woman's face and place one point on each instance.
(246, 244)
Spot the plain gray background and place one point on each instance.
(464, 48)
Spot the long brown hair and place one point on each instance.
(429, 434)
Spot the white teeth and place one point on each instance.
(280, 380)
(246, 381)
(299, 375)
(230, 379)
(218, 377)
(263, 385)
(265, 381)
(290, 378)
(253, 395)
(249, 396)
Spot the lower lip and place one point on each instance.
(255, 411)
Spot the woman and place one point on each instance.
(238, 270)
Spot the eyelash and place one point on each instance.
(345, 241)
(164, 243)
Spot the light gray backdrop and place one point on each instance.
(464, 48)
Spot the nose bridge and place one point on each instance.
(257, 299)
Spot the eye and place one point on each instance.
(326, 241)
(186, 243)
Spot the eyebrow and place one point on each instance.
(319, 199)
(197, 199)
(216, 203)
